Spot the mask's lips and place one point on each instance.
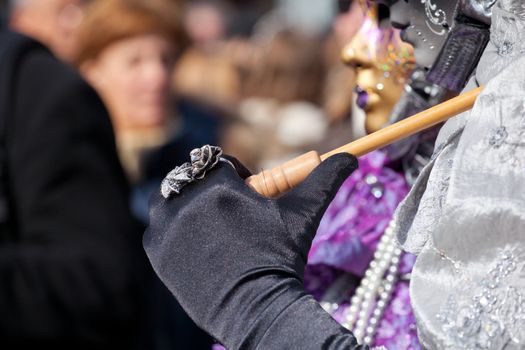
(362, 98)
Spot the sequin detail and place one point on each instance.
(377, 188)
(506, 138)
(435, 15)
(492, 317)
(507, 33)
(498, 136)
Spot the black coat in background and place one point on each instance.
(71, 265)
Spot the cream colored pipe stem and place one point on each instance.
(271, 183)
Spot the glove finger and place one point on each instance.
(243, 172)
(306, 203)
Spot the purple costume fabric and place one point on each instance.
(358, 216)
(347, 238)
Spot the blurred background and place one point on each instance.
(263, 79)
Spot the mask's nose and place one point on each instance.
(356, 56)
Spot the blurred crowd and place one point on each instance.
(262, 79)
(244, 75)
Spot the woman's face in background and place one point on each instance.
(133, 77)
(383, 63)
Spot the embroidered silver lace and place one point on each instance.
(465, 215)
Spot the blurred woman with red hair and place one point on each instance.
(126, 49)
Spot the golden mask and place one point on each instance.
(383, 64)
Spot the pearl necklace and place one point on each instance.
(375, 290)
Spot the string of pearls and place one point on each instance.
(375, 290)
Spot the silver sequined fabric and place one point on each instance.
(465, 216)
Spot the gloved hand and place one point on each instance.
(235, 260)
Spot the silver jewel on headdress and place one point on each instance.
(202, 160)
(436, 15)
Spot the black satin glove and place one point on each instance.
(235, 260)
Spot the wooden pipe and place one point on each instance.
(271, 183)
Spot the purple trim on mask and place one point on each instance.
(460, 55)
